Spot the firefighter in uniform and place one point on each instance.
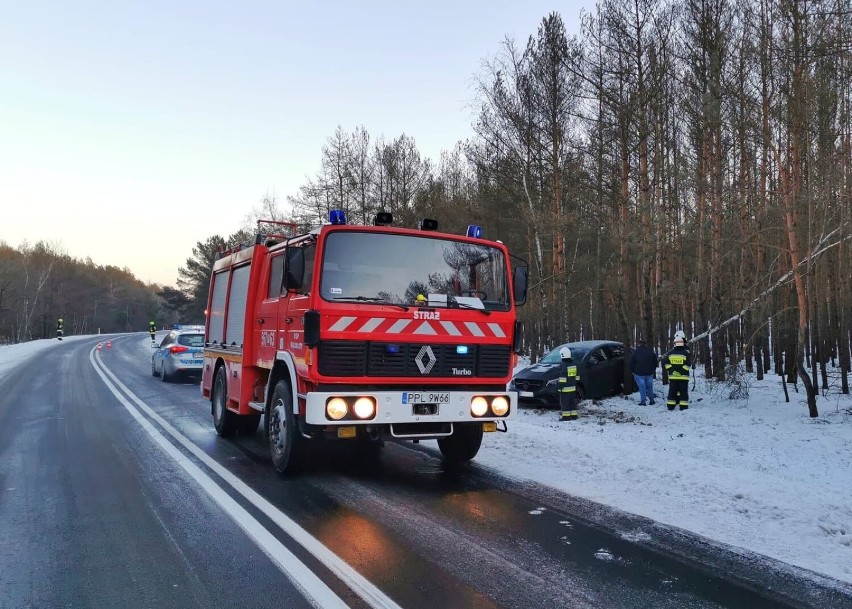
(59, 329)
(568, 386)
(152, 328)
(677, 364)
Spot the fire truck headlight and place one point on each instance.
(500, 405)
(364, 408)
(335, 408)
(478, 406)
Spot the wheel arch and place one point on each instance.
(284, 369)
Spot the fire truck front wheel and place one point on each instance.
(224, 420)
(463, 445)
(285, 441)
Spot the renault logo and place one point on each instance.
(425, 359)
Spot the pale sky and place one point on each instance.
(131, 131)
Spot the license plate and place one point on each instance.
(426, 397)
(193, 362)
(525, 394)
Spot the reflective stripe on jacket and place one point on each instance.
(677, 364)
(568, 383)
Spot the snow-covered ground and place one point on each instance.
(755, 473)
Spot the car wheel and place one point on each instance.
(285, 441)
(153, 368)
(224, 420)
(164, 376)
(463, 445)
(581, 394)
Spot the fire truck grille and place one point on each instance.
(355, 358)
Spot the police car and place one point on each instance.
(179, 353)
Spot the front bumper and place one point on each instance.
(544, 396)
(392, 407)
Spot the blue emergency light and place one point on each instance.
(392, 348)
(461, 349)
(336, 216)
(474, 231)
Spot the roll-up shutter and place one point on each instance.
(216, 314)
(237, 305)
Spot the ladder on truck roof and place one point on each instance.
(291, 229)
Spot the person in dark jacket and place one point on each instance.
(60, 328)
(568, 386)
(152, 329)
(643, 365)
(677, 363)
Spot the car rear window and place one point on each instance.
(191, 340)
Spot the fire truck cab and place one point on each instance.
(363, 333)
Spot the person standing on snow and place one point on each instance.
(677, 363)
(568, 386)
(59, 329)
(643, 364)
(152, 329)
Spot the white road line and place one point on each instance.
(311, 586)
(355, 581)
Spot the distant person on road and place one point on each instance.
(643, 365)
(152, 329)
(677, 363)
(60, 332)
(568, 386)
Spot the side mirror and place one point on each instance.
(294, 269)
(519, 285)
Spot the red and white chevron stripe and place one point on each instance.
(391, 327)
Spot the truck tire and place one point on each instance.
(285, 441)
(224, 420)
(463, 445)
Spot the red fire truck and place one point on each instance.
(366, 333)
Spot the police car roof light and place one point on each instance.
(336, 216)
(474, 231)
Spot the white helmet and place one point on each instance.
(565, 353)
(679, 338)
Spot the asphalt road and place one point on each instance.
(115, 491)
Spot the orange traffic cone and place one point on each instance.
(99, 346)
(109, 344)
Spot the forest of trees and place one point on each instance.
(672, 165)
(40, 284)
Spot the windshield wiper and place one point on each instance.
(453, 303)
(372, 299)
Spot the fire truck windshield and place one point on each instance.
(400, 268)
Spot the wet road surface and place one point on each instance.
(115, 491)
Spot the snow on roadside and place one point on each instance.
(756, 473)
(12, 355)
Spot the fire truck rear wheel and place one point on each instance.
(224, 420)
(463, 445)
(285, 442)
